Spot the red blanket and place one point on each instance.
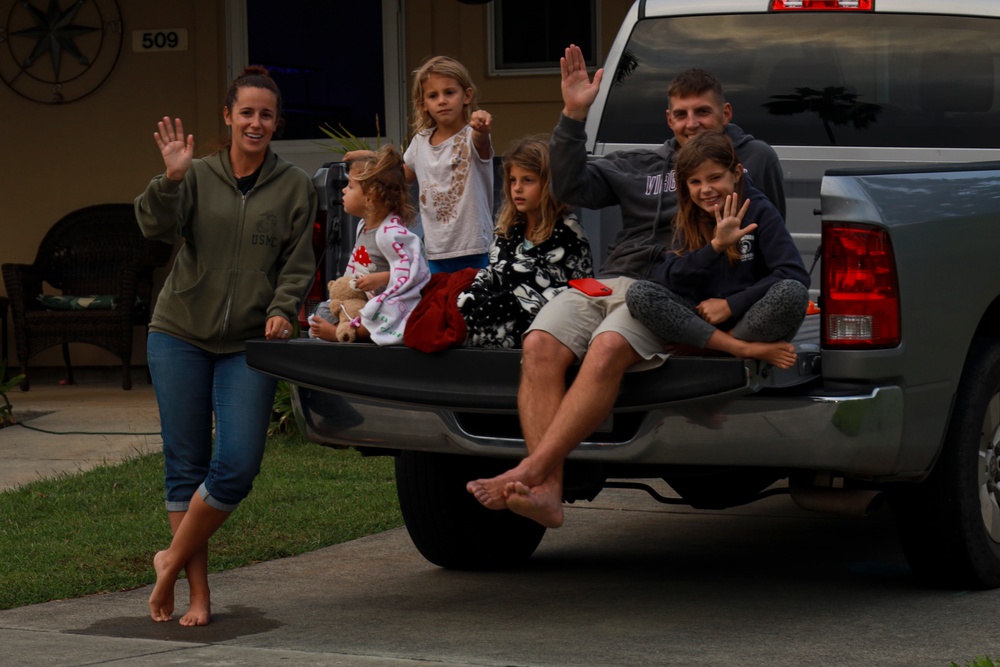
(436, 323)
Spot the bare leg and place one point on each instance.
(200, 605)
(780, 353)
(544, 362)
(585, 405)
(190, 543)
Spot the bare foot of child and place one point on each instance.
(161, 600)
(541, 503)
(780, 354)
(322, 329)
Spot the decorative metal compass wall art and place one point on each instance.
(58, 51)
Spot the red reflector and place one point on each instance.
(822, 5)
(860, 292)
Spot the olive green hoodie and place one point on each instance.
(245, 258)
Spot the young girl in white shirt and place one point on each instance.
(451, 158)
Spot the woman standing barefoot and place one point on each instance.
(245, 217)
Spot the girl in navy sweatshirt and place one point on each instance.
(733, 281)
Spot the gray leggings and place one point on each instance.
(673, 318)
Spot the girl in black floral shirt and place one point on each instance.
(538, 248)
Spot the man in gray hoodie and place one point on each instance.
(598, 331)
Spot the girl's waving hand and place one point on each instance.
(728, 221)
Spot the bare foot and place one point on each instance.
(199, 613)
(491, 492)
(322, 329)
(541, 503)
(161, 601)
(780, 354)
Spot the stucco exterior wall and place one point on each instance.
(57, 158)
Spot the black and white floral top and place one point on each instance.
(506, 295)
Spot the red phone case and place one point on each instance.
(590, 286)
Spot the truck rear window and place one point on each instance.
(808, 79)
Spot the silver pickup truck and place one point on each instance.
(885, 114)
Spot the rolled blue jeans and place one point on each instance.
(191, 385)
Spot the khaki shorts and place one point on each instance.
(575, 319)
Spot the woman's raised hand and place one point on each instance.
(728, 221)
(176, 150)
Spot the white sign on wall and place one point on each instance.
(163, 39)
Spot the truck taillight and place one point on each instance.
(860, 292)
(822, 5)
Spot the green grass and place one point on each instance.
(980, 661)
(97, 531)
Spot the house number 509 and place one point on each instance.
(172, 39)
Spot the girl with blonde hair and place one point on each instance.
(451, 158)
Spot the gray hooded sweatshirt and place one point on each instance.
(643, 184)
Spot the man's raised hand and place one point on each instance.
(578, 91)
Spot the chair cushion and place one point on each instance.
(69, 302)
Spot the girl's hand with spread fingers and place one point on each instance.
(728, 221)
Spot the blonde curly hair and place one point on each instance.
(440, 66)
(380, 175)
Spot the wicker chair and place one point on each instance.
(97, 250)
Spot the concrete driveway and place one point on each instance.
(625, 582)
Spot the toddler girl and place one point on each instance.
(727, 285)
(387, 261)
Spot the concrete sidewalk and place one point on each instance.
(626, 582)
(66, 429)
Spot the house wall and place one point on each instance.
(100, 149)
(57, 158)
(520, 105)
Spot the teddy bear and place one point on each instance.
(347, 301)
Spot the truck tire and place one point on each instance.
(949, 524)
(448, 525)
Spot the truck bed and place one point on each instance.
(471, 379)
